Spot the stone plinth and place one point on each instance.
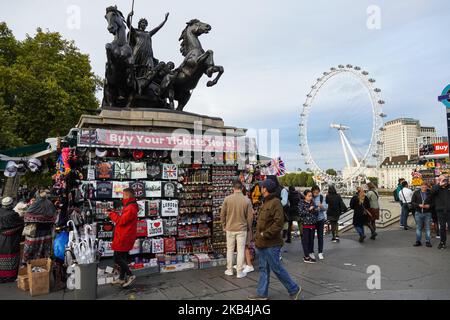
(152, 120)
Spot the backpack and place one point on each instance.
(395, 194)
(321, 198)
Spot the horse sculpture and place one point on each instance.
(119, 78)
(178, 84)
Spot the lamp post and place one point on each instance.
(445, 99)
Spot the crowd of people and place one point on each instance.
(314, 212)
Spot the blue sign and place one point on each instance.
(445, 96)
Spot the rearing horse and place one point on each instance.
(119, 67)
(178, 85)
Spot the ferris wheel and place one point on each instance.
(372, 154)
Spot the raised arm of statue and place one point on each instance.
(160, 26)
(129, 25)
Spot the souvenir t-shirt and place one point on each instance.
(154, 228)
(169, 208)
(153, 189)
(141, 228)
(118, 187)
(170, 171)
(105, 230)
(138, 170)
(146, 245)
(104, 189)
(101, 209)
(139, 188)
(170, 245)
(154, 171)
(104, 170)
(142, 205)
(88, 189)
(158, 246)
(105, 248)
(122, 170)
(170, 227)
(169, 189)
(153, 208)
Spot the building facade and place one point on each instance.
(400, 137)
(395, 168)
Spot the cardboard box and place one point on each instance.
(39, 281)
(23, 282)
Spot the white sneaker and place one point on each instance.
(241, 275)
(320, 256)
(248, 269)
(235, 266)
(229, 272)
(312, 256)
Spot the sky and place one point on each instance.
(273, 52)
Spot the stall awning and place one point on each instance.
(37, 150)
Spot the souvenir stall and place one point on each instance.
(179, 218)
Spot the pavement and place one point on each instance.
(406, 273)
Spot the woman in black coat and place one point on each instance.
(336, 207)
(294, 198)
(360, 203)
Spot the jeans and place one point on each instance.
(269, 260)
(421, 219)
(320, 229)
(308, 241)
(360, 230)
(334, 229)
(121, 259)
(404, 215)
(233, 238)
(444, 219)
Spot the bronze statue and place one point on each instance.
(141, 42)
(134, 78)
(118, 72)
(197, 62)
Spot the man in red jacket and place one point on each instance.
(125, 236)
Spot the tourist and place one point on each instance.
(308, 215)
(11, 226)
(405, 196)
(39, 220)
(373, 196)
(336, 207)
(236, 217)
(441, 200)
(124, 236)
(294, 212)
(421, 200)
(321, 218)
(268, 242)
(360, 203)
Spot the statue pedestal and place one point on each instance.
(154, 120)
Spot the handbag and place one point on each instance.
(375, 213)
(410, 205)
(29, 230)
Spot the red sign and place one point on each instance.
(441, 148)
(156, 140)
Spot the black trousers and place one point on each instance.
(121, 259)
(444, 219)
(308, 241)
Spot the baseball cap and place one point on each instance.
(269, 185)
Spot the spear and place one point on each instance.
(132, 10)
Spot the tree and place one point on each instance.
(374, 180)
(310, 181)
(303, 178)
(331, 172)
(46, 84)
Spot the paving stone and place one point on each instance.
(177, 293)
(199, 288)
(220, 284)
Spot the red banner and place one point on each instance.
(441, 148)
(156, 141)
